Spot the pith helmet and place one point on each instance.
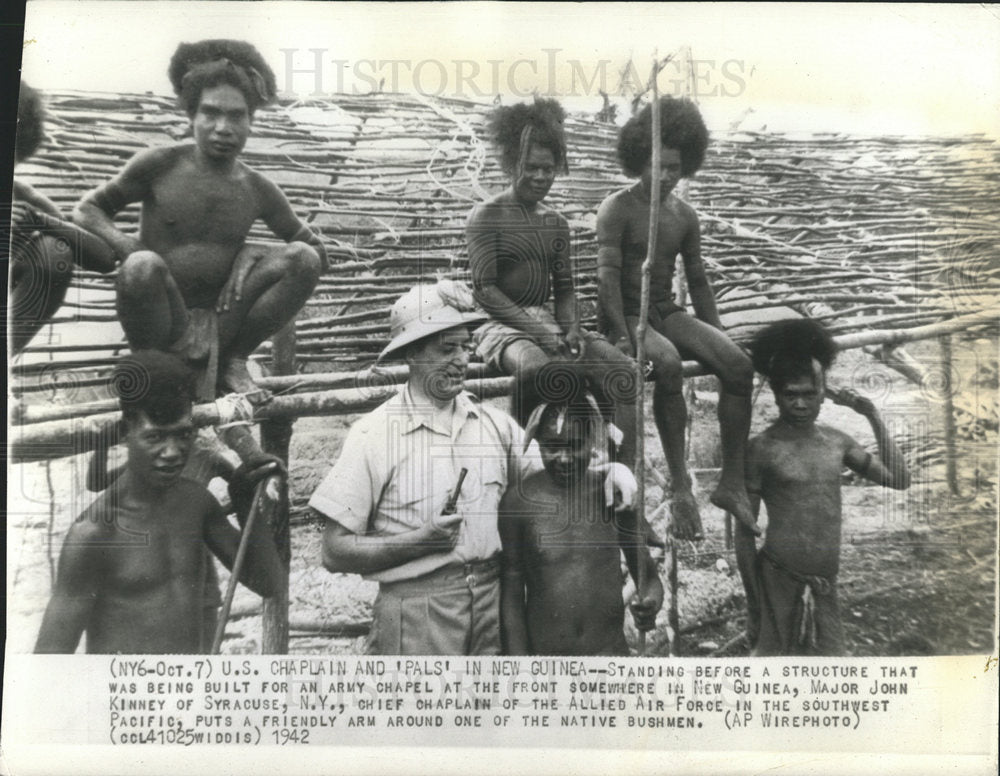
(428, 309)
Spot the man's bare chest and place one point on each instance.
(671, 229)
(148, 554)
(192, 205)
(803, 465)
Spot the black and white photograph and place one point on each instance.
(508, 387)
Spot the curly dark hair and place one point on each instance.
(681, 127)
(544, 115)
(30, 123)
(154, 382)
(195, 67)
(784, 350)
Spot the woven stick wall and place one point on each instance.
(864, 232)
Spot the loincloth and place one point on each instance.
(199, 347)
(798, 614)
(493, 337)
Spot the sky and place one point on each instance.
(873, 68)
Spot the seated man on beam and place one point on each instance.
(521, 264)
(44, 245)
(191, 283)
(623, 234)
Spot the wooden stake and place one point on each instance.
(259, 500)
(640, 334)
(950, 455)
(276, 436)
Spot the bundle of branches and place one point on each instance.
(869, 233)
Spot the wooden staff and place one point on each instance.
(640, 335)
(276, 437)
(948, 386)
(260, 498)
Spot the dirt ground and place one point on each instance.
(918, 567)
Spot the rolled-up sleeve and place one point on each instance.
(349, 493)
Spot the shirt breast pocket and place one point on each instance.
(483, 487)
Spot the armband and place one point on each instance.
(109, 198)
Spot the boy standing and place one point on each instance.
(190, 283)
(794, 467)
(133, 566)
(561, 588)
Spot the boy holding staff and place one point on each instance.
(133, 567)
(561, 568)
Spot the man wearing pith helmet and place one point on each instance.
(394, 511)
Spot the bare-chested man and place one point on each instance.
(672, 334)
(132, 569)
(795, 467)
(519, 255)
(191, 283)
(561, 591)
(44, 244)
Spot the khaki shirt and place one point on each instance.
(400, 463)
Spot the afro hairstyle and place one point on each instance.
(545, 116)
(195, 67)
(155, 383)
(30, 123)
(785, 350)
(681, 127)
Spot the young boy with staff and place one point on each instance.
(133, 569)
(561, 591)
(794, 468)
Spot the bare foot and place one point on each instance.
(686, 523)
(235, 378)
(737, 503)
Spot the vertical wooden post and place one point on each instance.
(276, 436)
(640, 333)
(950, 454)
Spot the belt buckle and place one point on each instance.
(470, 580)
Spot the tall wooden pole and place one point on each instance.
(948, 386)
(276, 436)
(640, 333)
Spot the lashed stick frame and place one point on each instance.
(887, 239)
